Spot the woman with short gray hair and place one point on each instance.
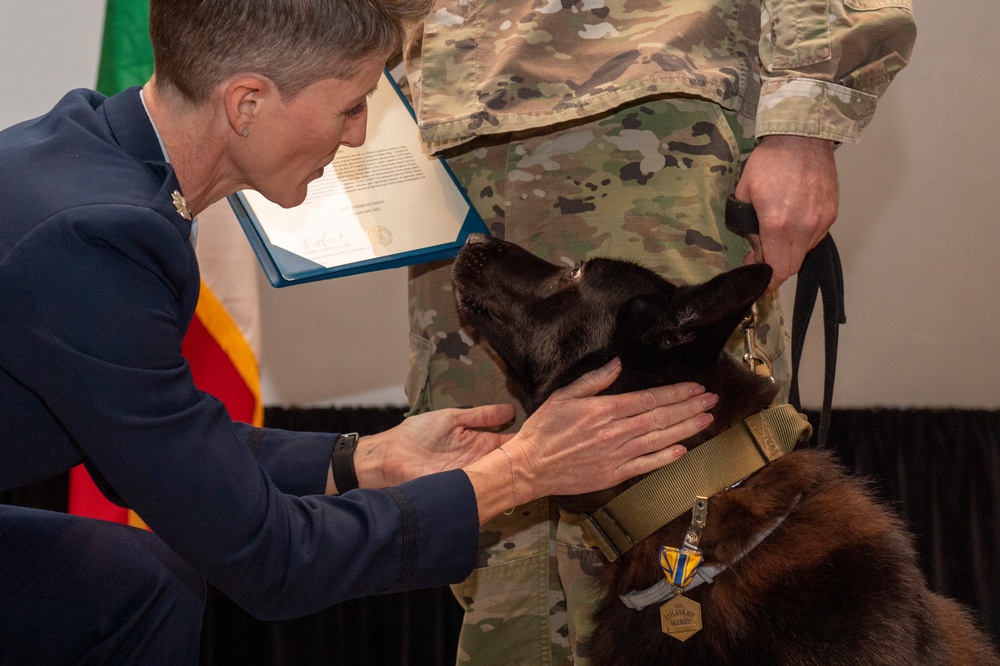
(98, 283)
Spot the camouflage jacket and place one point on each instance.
(812, 68)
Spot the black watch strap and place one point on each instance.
(342, 462)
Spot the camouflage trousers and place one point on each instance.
(647, 183)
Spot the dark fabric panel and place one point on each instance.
(939, 468)
(410, 628)
(363, 420)
(51, 495)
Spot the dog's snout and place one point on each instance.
(476, 238)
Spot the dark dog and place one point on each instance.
(836, 581)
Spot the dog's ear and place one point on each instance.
(645, 325)
(697, 320)
(707, 314)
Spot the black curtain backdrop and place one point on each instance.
(939, 468)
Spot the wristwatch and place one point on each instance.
(342, 462)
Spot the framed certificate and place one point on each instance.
(383, 205)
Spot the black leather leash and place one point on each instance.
(821, 272)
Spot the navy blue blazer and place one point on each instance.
(98, 283)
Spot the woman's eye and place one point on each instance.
(359, 109)
(576, 271)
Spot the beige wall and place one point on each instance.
(918, 231)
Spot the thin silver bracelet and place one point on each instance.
(513, 479)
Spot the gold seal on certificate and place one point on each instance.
(380, 235)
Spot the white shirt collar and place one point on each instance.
(166, 158)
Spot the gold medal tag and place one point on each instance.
(681, 618)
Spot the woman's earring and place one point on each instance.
(246, 132)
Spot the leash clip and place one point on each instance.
(753, 356)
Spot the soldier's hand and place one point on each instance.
(792, 183)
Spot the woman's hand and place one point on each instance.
(580, 442)
(431, 442)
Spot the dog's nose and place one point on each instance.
(475, 238)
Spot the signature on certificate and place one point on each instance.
(324, 241)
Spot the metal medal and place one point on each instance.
(680, 617)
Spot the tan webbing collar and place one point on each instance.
(708, 469)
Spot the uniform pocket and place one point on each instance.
(507, 608)
(799, 34)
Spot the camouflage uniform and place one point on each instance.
(611, 128)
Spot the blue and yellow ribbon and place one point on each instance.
(679, 565)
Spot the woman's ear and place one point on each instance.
(246, 98)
